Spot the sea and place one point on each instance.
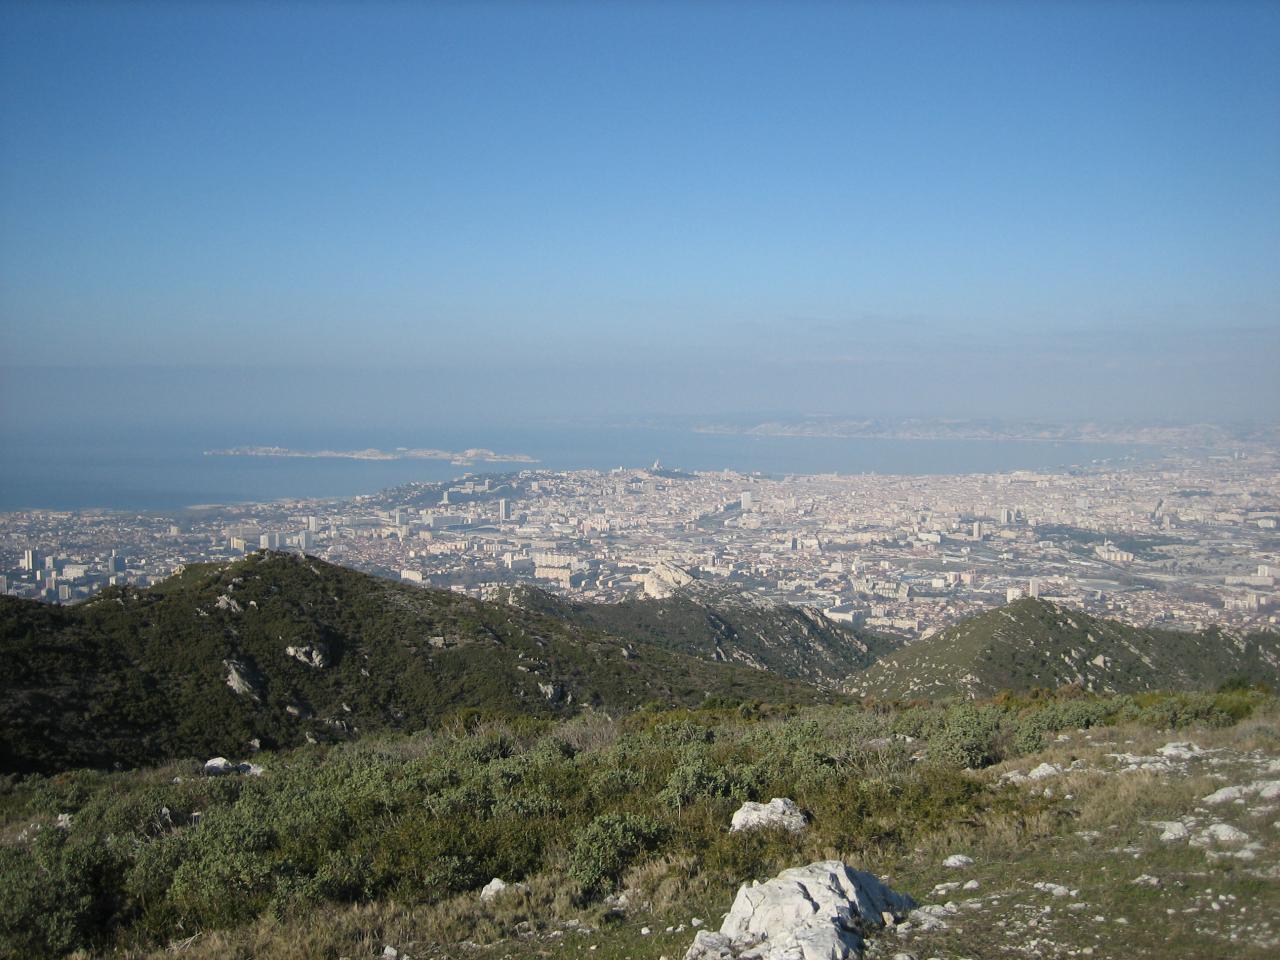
(159, 471)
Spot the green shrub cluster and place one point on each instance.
(149, 855)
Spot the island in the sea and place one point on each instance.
(463, 457)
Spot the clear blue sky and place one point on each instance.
(1058, 209)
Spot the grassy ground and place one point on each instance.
(1086, 834)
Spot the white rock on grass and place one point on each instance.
(1262, 789)
(819, 912)
(957, 860)
(1171, 829)
(1266, 789)
(496, 886)
(1044, 771)
(1220, 833)
(1180, 751)
(779, 812)
(931, 916)
(1225, 795)
(218, 766)
(1054, 889)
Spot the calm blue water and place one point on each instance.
(150, 471)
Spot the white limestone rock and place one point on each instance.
(710, 946)
(779, 812)
(240, 680)
(218, 767)
(225, 602)
(497, 886)
(313, 655)
(957, 861)
(1223, 834)
(1225, 795)
(1171, 830)
(819, 912)
(1180, 751)
(1044, 771)
(1054, 889)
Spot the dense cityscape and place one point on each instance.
(1184, 541)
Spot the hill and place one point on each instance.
(719, 624)
(283, 649)
(1036, 643)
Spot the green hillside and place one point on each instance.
(1035, 643)
(726, 625)
(136, 676)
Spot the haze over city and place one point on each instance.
(426, 213)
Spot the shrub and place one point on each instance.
(698, 776)
(968, 737)
(607, 846)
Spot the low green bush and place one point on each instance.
(607, 846)
(422, 819)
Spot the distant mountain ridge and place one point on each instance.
(280, 649)
(723, 624)
(1036, 643)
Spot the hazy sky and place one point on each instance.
(1051, 209)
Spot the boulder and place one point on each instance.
(957, 860)
(496, 886)
(820, 912)
(778, 812)
(218, 767)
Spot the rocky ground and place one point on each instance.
(1174, 852)
(1166, 847)
(1132, 843)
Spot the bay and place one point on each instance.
(150, 471)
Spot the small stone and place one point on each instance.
(957, 860)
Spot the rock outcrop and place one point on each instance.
(241, 679)
(778, 813)
(820, 912)
(313, 655)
